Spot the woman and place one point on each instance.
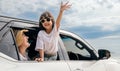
(22, 43)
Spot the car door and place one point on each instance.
(80, 57)
(57, 65)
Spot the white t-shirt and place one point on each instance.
(48, 42)
(23, 58)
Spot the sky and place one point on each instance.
(94, 20)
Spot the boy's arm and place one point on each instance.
(62, 8)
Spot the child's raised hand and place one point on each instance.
(65, 6)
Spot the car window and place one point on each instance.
(7, 45)
(75, 49)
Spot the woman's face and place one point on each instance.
(25, 41)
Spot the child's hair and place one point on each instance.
(44, 15)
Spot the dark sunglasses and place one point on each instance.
(45, 19)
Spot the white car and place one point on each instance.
(74, 54)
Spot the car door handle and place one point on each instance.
(78, 69)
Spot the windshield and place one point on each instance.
(95, 20)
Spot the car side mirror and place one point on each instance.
(104, 54)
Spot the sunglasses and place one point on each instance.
(46, 19)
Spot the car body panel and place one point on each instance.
(87, 66)
(95, 65)
(9, 64)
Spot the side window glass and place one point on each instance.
(7, 45)
(75, 49)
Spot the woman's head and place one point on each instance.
(46, 19)
(22, 39)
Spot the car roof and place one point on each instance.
(5, 20)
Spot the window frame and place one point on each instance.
(90, 51)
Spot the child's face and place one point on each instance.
(47, 23)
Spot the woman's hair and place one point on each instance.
(44, 15)
(19, 37)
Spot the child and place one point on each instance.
(47, 39)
